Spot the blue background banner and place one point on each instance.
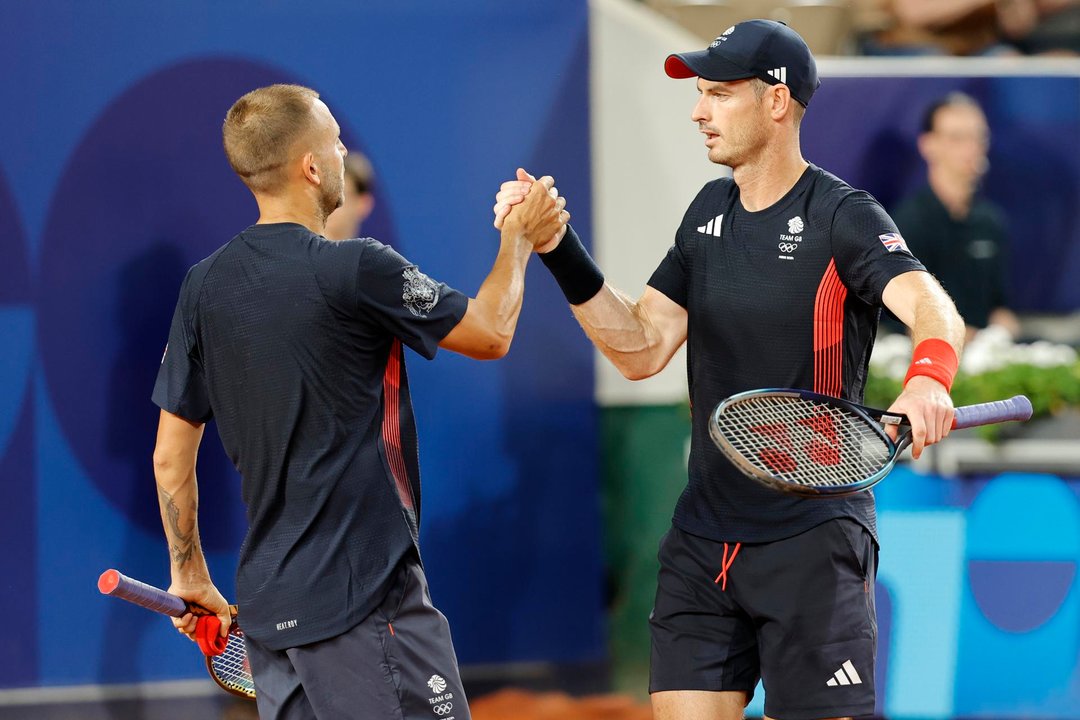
(113, 182)
(978, 604)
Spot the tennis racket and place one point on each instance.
(814, 445)
(226, 658)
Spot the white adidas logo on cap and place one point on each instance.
(779, 73)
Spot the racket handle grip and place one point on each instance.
(1015, 408)
(116, 584)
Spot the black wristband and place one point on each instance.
(577, 273)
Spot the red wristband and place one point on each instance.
(936, 359)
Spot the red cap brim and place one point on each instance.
(704, 64)
(676, 68)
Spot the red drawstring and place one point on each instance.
(726, 565)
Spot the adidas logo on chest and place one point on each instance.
(713, 226)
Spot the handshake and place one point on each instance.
(533, 210)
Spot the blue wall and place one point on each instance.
(977, 597)
(113, 182)
(979, 605)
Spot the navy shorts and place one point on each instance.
(797, 613)
(398, 664)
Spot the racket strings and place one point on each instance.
(802, 441)
(231, 669)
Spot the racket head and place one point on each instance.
(804, 443)
(231, 669)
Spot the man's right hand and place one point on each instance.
(515, 196)
(205, 595)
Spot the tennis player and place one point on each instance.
(295, 345)
(776, 279)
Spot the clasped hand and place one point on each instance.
(530, 203)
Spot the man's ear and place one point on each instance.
(310, 168)
(781, 101)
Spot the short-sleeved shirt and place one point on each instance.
(787, 297)
(968, 256)
(293, 343)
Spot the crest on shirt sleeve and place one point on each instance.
(894, 242)
(420, 293)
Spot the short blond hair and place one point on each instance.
(260, 130)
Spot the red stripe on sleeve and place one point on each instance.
(829, 332)
(391, 424)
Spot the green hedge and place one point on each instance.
(1051, 389)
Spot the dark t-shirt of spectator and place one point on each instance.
(968, 256)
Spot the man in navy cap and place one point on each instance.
(776, 279)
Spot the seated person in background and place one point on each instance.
(957, 234)
(1041, 27)
(344, 223)
(970, 27)
(933, 27)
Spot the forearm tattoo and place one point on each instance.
(181, 544)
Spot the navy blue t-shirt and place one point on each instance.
(787, 297)
(293, 343)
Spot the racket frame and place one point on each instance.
(1017, 408)
(213, 661)
(875, 419)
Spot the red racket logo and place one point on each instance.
(813, 438)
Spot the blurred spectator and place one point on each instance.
(971, 27)
(1041, 27)
(932, 27)
(344, 223)
(958, 234)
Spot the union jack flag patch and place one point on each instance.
(893, 242)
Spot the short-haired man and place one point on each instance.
(294, 344)
(776, 279)
(957, 233)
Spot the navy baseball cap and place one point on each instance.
(764, 49)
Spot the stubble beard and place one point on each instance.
(730, 157)
(719, 157)
(743, 147)
(746, 141)
(331, 199)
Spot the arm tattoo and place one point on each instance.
(184, 545)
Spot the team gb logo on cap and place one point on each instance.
(723, 36)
